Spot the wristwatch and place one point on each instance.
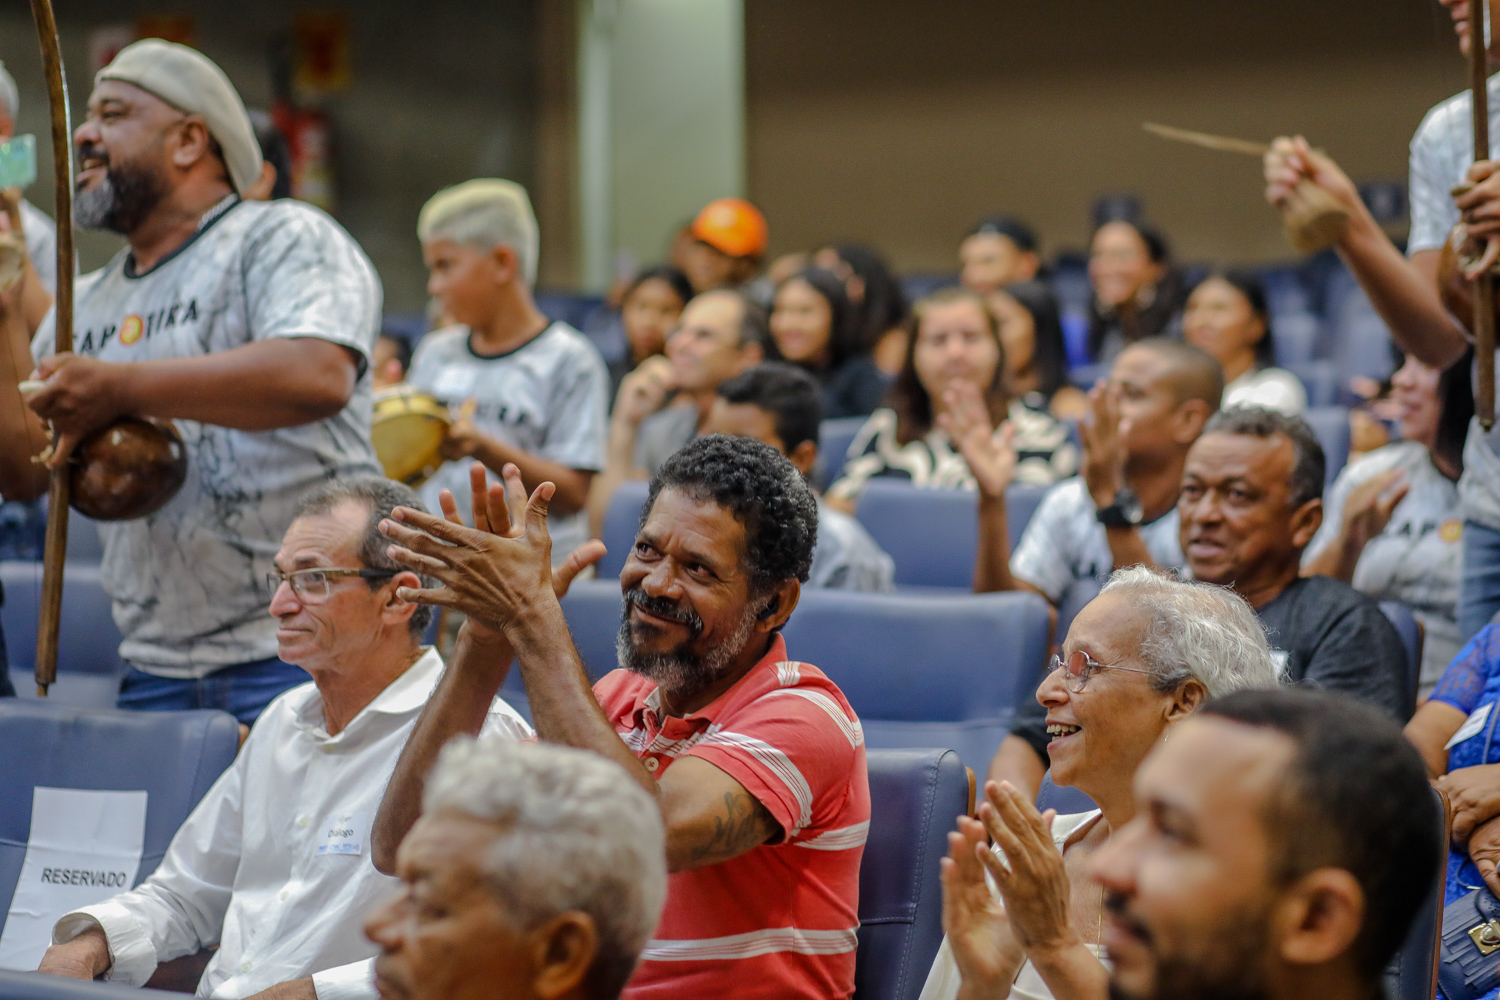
(1124, 512)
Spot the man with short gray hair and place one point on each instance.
(39, 231)
(527, 390)
(536, 870)
(273, 865)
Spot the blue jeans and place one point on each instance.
(243, 690)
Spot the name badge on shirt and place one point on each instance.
(344, 833)
(1472, 725)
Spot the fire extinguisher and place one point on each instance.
(310, 144)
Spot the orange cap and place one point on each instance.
(732, 225)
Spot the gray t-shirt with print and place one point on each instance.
(547, 397)
(1418, 557)
(188, 582)
(1441, 151)
(1064, 541)
(847, 558)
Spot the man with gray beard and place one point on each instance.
(756, 761)
(249, 323)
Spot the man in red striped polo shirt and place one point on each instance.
(757, 761)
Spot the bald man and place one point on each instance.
(1122, 510)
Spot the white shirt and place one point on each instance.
(1441, 152)
(549, 397)
(847, 558)
(1064, 541)
(274, 862)
(188, 582)
(943, 979)
(1418, 558)
(1272, 388)
(41, 244)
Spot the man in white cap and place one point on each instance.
(249, 323)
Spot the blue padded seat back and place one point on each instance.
(915, 796)
(621, 521)
(834, 438)
(173, 756)
(1412, 974)
(1411, 641)
(933, 535)
(592, 609)
(1320, 379)
(38, 986)
(1331, 425)
(1060, 797)
(88, 640)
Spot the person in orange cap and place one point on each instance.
(728, 241)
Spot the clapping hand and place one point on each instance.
(1484, 851)
(496, 573)
(1370, 505)
(979, 934)
(991, 455)
(1103, 453)
(1032, 879)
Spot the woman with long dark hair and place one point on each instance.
(1391, 523)
(955, 352)
(1036, 358)
(816, 327)
(1226, 315)
(1137, 291)
(877, 297)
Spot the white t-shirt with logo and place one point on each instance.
(1064, 541)
(188, 582)
(549, 397)
(1418, 558)
(1441, 151)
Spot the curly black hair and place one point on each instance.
(764, 492)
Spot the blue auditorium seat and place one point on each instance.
(173, 756)
(922, 670)
(915, 796)
(37, 986)
(932, 535)
(88, 660)
(1412, 975)
(1331, 425)
(1073, 599)
(1294, 337)
(592, 609)
(621, 522)
(1320, 379)
(834, 439)
(1084, 376)
(1412, 637)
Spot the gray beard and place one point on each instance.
(119, 203)
(681, 672)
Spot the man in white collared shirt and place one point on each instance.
(274, 864)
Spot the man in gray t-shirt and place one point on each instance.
(250, 324)
(1404, 290)
(720, 334)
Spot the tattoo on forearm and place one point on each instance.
(744, 824)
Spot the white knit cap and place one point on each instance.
(189, 81)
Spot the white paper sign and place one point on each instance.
(84, 847)
(1472, 725)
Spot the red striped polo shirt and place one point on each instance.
(777, 921)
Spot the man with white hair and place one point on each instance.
(535, 871)
(527, 390)
(249, 323)
(39, 230)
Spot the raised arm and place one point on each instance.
(991, 457)
(1404, 292)
(1104, 472)
(505, 585)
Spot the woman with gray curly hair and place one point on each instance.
(1141, 657)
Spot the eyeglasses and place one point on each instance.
(1078, 668)
(312, 586)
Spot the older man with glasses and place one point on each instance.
(273, 865)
